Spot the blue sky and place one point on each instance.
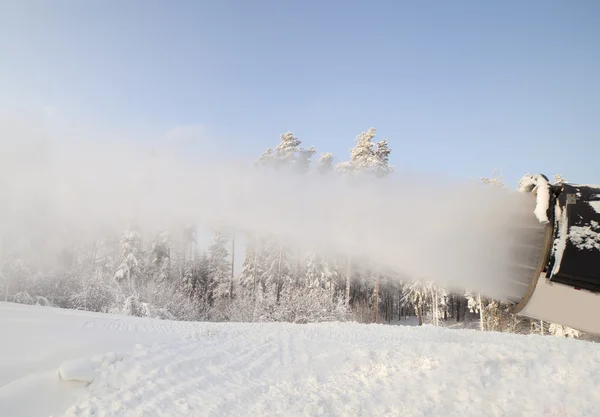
(458, 87)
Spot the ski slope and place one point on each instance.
(70, 363)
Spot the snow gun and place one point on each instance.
(558, 269)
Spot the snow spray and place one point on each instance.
(459, 235)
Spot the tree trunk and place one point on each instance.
(254, 275)
(6, 289)
(376, 299)
(232, 267)
(420, 314)
(279, 279)
(481, 319)
(458, 310)
(348, 273)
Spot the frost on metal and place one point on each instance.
(586, 237)
(560, 243)
(540, 186)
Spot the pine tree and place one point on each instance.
(203, 290)
(253, 267)
(325, 164)
(288, 155)
(381, 160)
(277, 273)
(266, 159)
(367, 157)
(130, 268)
(558, 179)
(315, 274)
(160, 255)
(220, 267)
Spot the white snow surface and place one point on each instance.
(77, 370)
(145, 367)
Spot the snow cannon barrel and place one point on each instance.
(561, 283)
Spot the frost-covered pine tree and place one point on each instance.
(188, 279)
(325, 164)
(287, 149)
(160, 258)
(203, 291)
(316, 274)
(129, 271)
(563, 331)
(220, 266)
(253, 267)
(277, 273)
(559, 179)
(367, 157)
(495, 180)
(287, 155)
(266, 159)
(381, 160)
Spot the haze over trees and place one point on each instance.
(170, 275)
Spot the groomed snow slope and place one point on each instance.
(142, 367)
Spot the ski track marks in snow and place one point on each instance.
(350, 370)
(330, 369)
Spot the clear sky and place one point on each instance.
(457, 87)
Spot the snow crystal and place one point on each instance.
(77, 370)
(586, 237)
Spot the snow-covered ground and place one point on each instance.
(123, 366)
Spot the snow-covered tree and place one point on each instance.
(129, 270)
(220, 266)
(414, 294)
(381, 160)
(266, 159)
(253, 267)
(367, 157)
(316, 274)
(160, 255)
(563, 331)
(559, 179)
(325, 164)
(495, 180)
(287, 155)
(277, 273)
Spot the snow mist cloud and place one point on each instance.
(56, 191)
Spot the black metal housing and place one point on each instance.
(579, 265)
